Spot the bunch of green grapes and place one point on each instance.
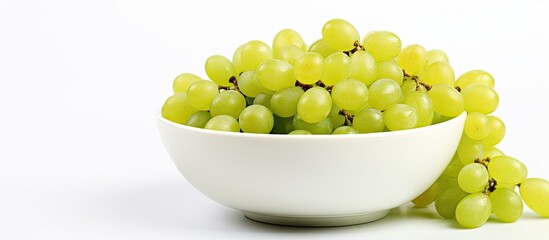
(345, 84)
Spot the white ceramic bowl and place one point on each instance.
(312, 180)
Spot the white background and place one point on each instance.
(81, 83)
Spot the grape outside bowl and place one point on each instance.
(312, 180)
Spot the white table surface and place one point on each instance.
(81, 83)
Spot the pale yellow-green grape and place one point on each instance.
(220, 69)
(337, 66)
(249, 85)
(436, 55)
(256, 119)
(254, 53)
(423, 105)
(286, 37)
(382, 45)
(480, 98)
(475, 76)
(389, 69)
(473, 178)
(399, 117)
(384, 93)
(284, 102)
(473, 210)
(439, 73)
(223, 123)
(448, 200)
(350, 94)
(412, 58)
(275, 74)
(437, 118)
(507, 170)
(469, 150)
(335, 117)
(228, 102)
(491, 151)
(182, 82)
(477, 126)
(237, 61)
(363, 67)
(300, 132)
(282, 125)
(454, 167)
(506, 204)
(535, 193)
(369, 120)
(309, 68)
(340, 34)
(345, 130)
(289, 53)
(199, 119)
(201, 93)
(497, 131)
(314, 105)
(446, 100)
(321, 47)
(263, 99)
(177, 108)
(428, 196)
(324, 126)
(410, 86)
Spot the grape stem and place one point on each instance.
(348, 117)
(357, 47)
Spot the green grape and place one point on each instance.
(468, 150)
(182, 82)
(275, 74)
(369, 120)
(300, 132)
(284, 102)
(220, 69)
(345, 130)
(199, 119)
(480, 98)
(256, 119)
(223, 123)
(423, 106)
(473, 77)
(438, 118)
(283, 125)
(309, 68)
(263, 99)
(439, 73)
(286, 37)
(363, 68)
(249, 85)
(314, 105)
(335, 117)
(454, 167)
(337, 67)
(228, 102)
(507, 170)
(384, 93)
(201, 93)
(340, 34)
(491, 151)
(390, 69)
(254, 53)
(473, 178)
(321, 47)
(428, 196)
(477, 126)
(446, 100)
(412, 58)
(448, 200)
(350, 94)
(410, 86)
(399, 117)
(289, 53)
(535, 193)
(177, 108)
(473, 210)
(497, 132)
(237, 61)
(436, 55)
(324, 126)
(383, 45)
(506, 204)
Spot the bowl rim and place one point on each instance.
(434, 127)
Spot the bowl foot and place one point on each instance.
(312, 221)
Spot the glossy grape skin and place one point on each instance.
(382, 45)
(340, 34)
(228, 102)
(177, 108)
(535, 193)
(256, 119)
(446, 100)
(350, 94)
(223, 123)
(314, 105)
(473, 210)
(480, 98)
(506, 204)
